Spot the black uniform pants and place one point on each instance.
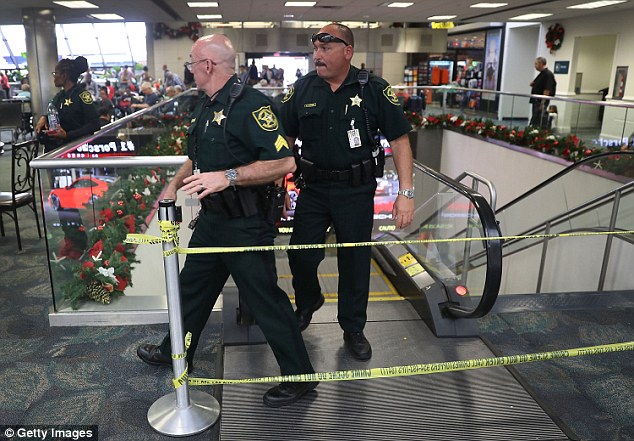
(539, 117)
(350, 210)
(204, 275)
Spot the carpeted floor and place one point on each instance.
(592, 396)
(74, 375)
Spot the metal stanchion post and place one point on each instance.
(182, 412)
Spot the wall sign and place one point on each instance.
(561, 67)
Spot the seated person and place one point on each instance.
(150, 97)
(105, 115)
(103, 102)
(25, 92)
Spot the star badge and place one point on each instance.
(68, 102)
(356, 101)
(219, 116)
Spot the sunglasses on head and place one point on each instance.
(325, 37)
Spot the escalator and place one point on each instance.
(441, 293)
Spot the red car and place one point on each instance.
(80, 192)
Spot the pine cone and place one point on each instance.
(98, 293)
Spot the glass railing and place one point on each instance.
(95, 191)
(449, 219)
(598, 124)
(594, 195)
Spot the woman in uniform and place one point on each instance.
(77, 112)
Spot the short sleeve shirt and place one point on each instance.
(544, 81)
(76, 110)
(321, 118)
(252, 130)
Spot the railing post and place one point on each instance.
(182, 412)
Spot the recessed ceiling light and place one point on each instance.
(300, 4)
(107, 16)
(399, 5)
(289, 16)
(594, 5)
(441, 17)
(209, 16)
(202, 4)
(76, 4)
(488, 5)
(530, 16)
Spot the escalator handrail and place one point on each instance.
(559, 175)
(493, 248)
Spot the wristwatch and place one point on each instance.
(232, 177)
(409, 194)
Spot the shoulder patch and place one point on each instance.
(86, 97)
(289, 94)
(388, 92)
(266, 119)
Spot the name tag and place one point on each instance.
(310, 105)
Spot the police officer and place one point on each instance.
(236, 146)
(328, 109)
(77, 111)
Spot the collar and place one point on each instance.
(222, 97)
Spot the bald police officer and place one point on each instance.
(236, 147)
(327, 110)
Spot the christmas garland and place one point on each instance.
(192, 30)
(555, 37)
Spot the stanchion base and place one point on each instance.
(167, 419)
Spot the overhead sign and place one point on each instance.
(442, 24)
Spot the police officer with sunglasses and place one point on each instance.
(336, 111)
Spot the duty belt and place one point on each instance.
(358, 174)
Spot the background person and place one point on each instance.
(325, 110)
(543, 84)
(228, 174)
(77, 110)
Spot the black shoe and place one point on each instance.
(287, 393)
(151, 354)
(304, 316)
(358, 345)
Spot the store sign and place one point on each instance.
(442, 25)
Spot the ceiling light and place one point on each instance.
(289, 16)
(106, 16)
(76, 4)
(441, 17)
(594, 5)
(202, 4)
(399, 5)
(300, 4)
(530, 17)
(209, 16)
(488, 5)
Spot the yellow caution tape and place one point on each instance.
(423, 369)
(171, 236)
(182, 378)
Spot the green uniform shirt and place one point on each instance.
(77, 112)
(321, 118)
(252, 128)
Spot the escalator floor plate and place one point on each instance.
(484, 404)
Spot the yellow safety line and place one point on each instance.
(169, 232)
(423, 369)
